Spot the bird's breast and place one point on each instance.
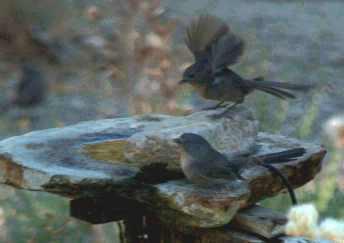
(189, 166)
(223, 90)
(200, 88)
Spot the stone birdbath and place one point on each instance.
(128, 169)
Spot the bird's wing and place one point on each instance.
(229, 80)
(219, 168)
(226, 51)
(202, 32)
(221, 173)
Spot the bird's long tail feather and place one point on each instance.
(277, 92)
(284, 180)
(281, 157)
(282, 85)
(279, 89)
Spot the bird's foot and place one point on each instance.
(219, 105)
(228, 110)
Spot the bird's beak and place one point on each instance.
(177, 140)
(183, 81)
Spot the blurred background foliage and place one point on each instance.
(112, 58)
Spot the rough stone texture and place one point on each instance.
(113, 149)
(159, 232)
(302, 240)
(135, 159)
(209, 207)
(261, 221)
(236, 132)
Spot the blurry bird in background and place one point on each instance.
(205, 166)
(30, 90)
(215, 48)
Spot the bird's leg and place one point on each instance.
(232, 106)
(260, 78)
(218, 105)
(229, 108)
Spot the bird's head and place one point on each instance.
(192, 143)
(29, 70)
(189, 75)
(196, 74)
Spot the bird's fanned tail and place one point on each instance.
(259, 82)
(279, 89)
(277, 92)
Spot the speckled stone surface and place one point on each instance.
(114, 149)
(121, 156)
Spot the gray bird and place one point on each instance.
(215, 47)
(30, 90)
(204, 166)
